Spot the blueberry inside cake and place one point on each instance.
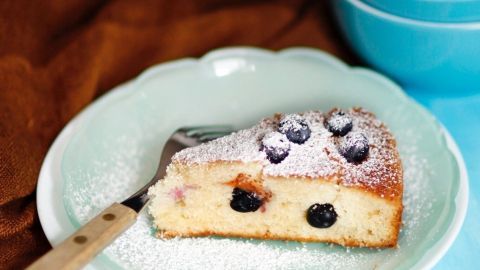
(315, 177)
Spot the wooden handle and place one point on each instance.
(78, 249)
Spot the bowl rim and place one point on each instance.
(430, 10)
(359, 4)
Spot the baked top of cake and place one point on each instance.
(349, 147)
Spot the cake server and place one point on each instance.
(79, 248)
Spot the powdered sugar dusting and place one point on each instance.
(243, 145)
(138, 248)
(276, 140)
(338, 120)
(354, 139)
(309, 159)
(223, 253)
(379, 171)
(318, 157)
(291, 122)
(122, 179)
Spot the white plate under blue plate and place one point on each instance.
(113, 146)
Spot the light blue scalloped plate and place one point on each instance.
(112, 148)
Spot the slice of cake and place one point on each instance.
(314, 177)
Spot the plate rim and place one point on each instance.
(50, 180)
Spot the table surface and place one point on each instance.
(461, 115)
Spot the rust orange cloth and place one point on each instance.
(57, 56)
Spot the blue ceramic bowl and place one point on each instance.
(431, 10)
(418, 54)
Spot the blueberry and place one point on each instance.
(276, 146)
(244, 201)
(321, 215)
(339, 123)
(354, 147)
(295, 128)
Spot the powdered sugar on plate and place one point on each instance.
(137, 248)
